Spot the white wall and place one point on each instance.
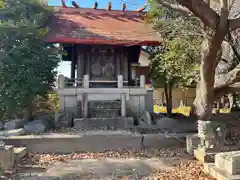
(143, 62)
(143, 59)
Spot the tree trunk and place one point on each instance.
(168, 96)
(203, 102)
(231, 100)
(233, 103)
(210, 57)
(28, 112)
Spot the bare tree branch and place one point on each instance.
(228, 79)
(220, 91)
(175, 7)
(201, 10)
(232, 4)
(234, 24)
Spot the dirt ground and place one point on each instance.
(163, 164)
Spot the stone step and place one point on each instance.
(203, 156)
(19, 153)
(219, 174)
(103, 113)
(103, 123)
(104, 104)
(229, 162)
(208, 156)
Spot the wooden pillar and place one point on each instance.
(142, 81)
(123, 105)
(73, 61)
(80, 62)
(120, 81)
(87, 63)
(118, 65)
(61, 81)
(129, 71)
(125, 66)
(86, 81)
(85, 105)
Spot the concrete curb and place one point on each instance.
(93, 142)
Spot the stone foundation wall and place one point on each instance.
(137, 99)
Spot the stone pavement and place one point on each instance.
(107, 169)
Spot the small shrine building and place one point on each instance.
(102, 45)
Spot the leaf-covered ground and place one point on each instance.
(182, 170)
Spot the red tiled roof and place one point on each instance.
(91, 26)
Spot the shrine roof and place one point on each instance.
(100, 26)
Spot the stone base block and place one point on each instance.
(219, 174)
(229, 162)
(104, 123)
(102, 113)
(104, 105)
(204, 156)
(192, 142)
(37, 126)
(148, 129)
(6, 157)
(63, 120)
(19, 153)
(15, 124)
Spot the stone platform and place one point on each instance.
(209, 156)
(94, 141)
(226, 166)
(192, 142)
(218, 173)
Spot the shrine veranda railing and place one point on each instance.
(85, 82)
(73, 82)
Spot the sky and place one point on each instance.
(116, 4)
(64, 67)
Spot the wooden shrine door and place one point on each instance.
(102, 67)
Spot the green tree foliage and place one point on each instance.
(28, 64)
(176, 63)
(1, 2)
(179, 58)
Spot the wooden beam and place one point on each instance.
(109, 6)
(141, 9)
(75, 4)
(64, 3)
(73, 61)
(95, 5)
(124, 6)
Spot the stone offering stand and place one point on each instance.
(226, 166)
(220, 160)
